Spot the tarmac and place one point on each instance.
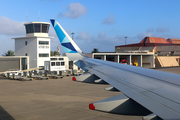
(56, 99)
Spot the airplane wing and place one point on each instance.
(154, 94)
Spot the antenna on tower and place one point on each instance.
(26, 15)
(39, 17)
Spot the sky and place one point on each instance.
(101, 24)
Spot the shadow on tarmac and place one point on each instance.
(4, 115)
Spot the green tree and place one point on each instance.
(95, 50)
(54, 53)
(8, 53)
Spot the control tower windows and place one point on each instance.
(45, 28)
(29, 28)
(37, 28)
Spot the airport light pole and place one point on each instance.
(72, 35)
(125, 39)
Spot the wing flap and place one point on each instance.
(151, 117)
(119, 104)
(87, 78)
(100, 81)
(111, 88)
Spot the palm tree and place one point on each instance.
(95, 50)
(8, 53)
(54, 53)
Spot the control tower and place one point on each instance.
(36, 44)
(37, 29)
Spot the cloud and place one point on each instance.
(140, 36)
(83, 36)
(74, 10)
(6, 43)
(100, 39)
(150, 30)
(60, 15)
(161, 30)
(102, 35)
(11, 27)
(149, 33)
(169, 36)
(109, 20)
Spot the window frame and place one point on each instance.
(58, 63)
(62, 63)
(53, 64)
(43, 42)
(43, 54)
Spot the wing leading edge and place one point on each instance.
(153, 90)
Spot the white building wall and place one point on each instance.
(66, 59)
(31, 49)
(59, 67)
(43, 49)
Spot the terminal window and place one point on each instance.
(53, 58)
(43, 55)
(57, 63)
(62, 63)
(61, 58)
(44, 42)
(52, 63)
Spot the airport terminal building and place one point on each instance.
(33, 51)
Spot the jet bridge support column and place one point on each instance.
(116, 58)
(140, 60)
(153, 65)
(20, 67)
(129, 60)
(104, 57)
